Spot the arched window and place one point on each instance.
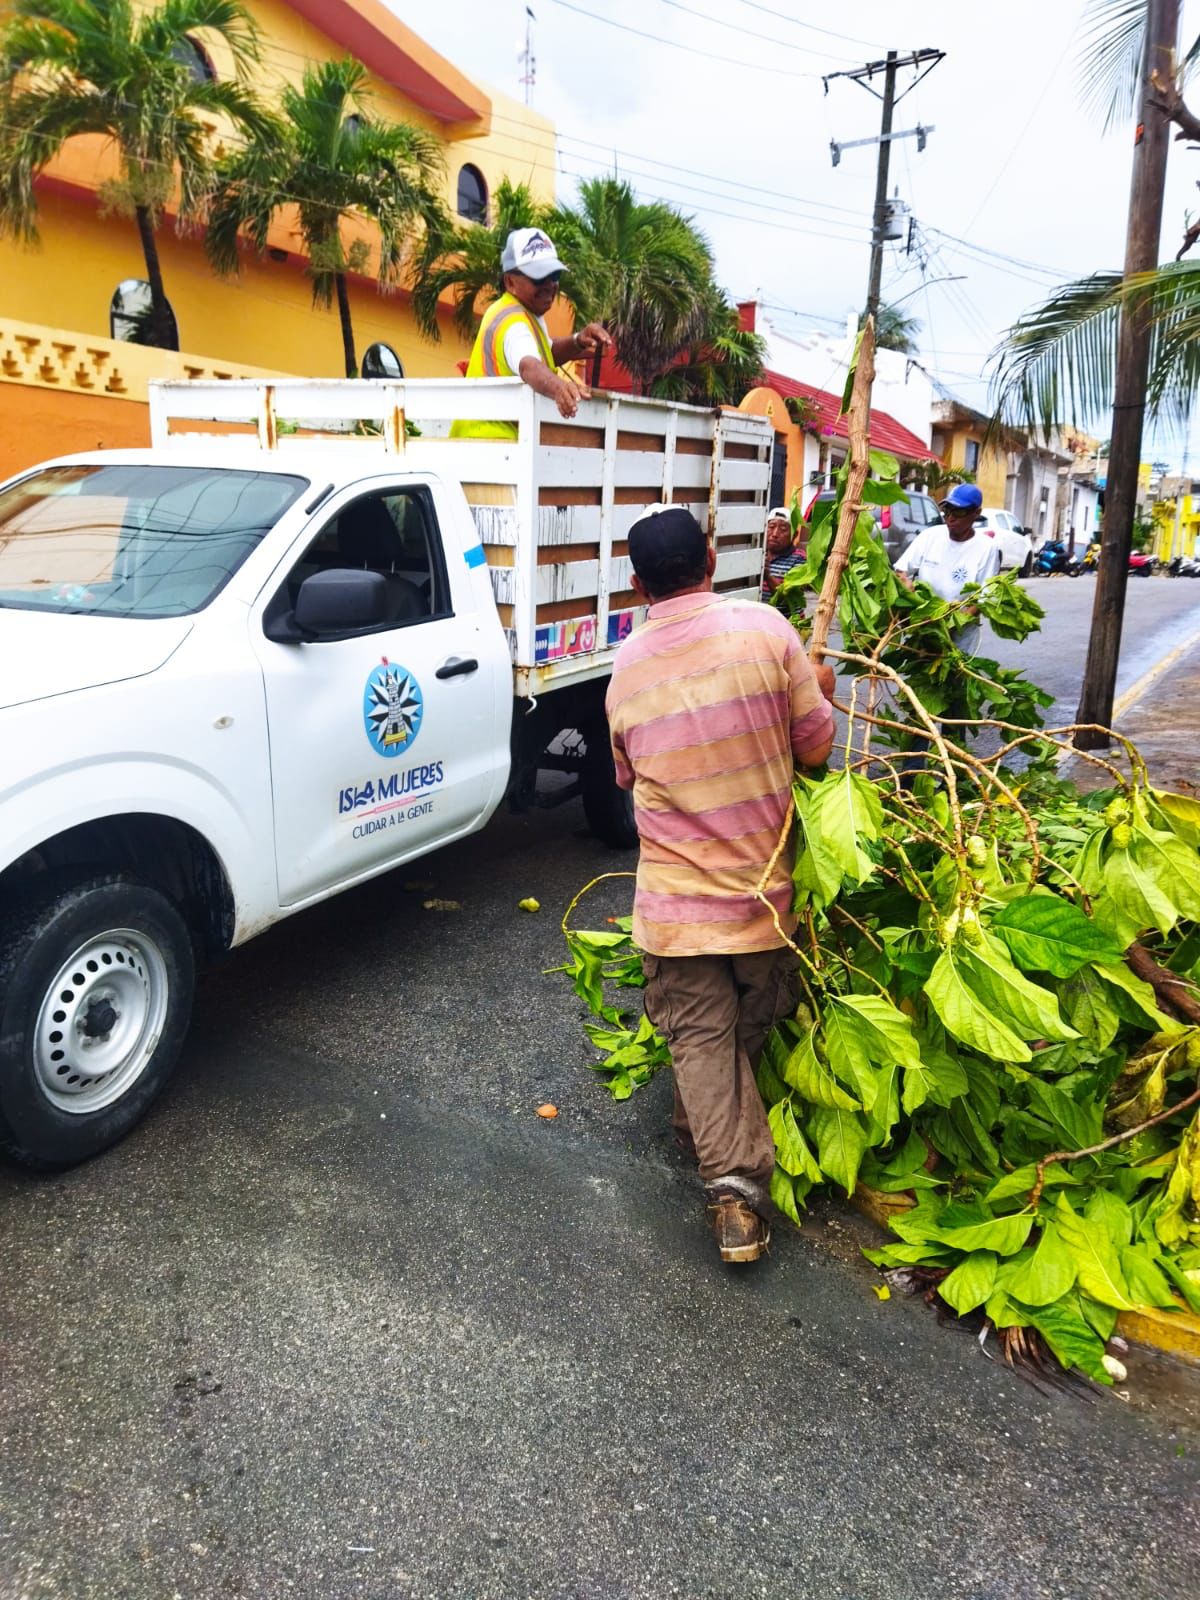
(472, 194)
(190, 53)
(381, 361)
(129, 316)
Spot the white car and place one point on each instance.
(1016, 547)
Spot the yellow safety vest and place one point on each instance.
(487, 361)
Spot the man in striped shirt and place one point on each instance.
(711, 704)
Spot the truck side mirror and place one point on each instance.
(334, 604)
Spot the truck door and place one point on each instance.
(386, 744)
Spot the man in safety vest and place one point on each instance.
(513, 340)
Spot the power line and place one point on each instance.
(691, 49)
(749, 33)
(811, 26)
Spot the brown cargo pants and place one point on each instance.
(715, 1013)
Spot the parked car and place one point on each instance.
(899, 524)
(1016, 548)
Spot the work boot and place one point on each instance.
(741, 1234)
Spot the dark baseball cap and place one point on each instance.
(668, 549)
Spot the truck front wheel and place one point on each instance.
(96, 981)
(607, 807)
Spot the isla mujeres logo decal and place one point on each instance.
(393, 709)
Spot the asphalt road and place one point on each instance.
(1160, 613)
(344, 1318)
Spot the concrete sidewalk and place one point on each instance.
(1160, 714)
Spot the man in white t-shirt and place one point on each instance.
(948, 558)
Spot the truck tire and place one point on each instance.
(96, 981)
(607, 807)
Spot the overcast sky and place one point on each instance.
(735, 129)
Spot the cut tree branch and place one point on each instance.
(1174, 994)
(858, 426)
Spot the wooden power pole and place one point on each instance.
(1129, 390)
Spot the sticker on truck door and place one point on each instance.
(393, 709)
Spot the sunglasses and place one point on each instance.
(552, 278)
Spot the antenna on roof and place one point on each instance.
(526, 58)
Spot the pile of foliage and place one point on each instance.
(997, 974)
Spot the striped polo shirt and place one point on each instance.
(709, 701)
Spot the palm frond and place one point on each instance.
(1058, 364)
(1110, 58)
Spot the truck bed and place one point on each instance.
(553, 508)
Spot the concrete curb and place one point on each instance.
(1173, 1333)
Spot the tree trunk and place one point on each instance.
(858, 425)
(1129, 389)
(160, 329)
(343, 305)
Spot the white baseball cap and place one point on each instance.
(530, 251)
(779, 511)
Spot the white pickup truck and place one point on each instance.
(286, 648)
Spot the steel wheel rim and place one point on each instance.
(100, 1021)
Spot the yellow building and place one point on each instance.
(959, 440)
(67, 383)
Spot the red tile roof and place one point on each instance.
(886, 432)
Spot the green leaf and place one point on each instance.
(1183, 813)
(1137, 894)
(1046, 933)
(885, 1031)
(1020, 1182)
(812, 1079)
(1048, 1274)
(938, 1076)
(884, 1112)
(1173, 866)
(1148, 1284)
(883, 464)
(1004, 1235)
(971, 1282)
(1070, 1338)
(791, 1147)
(846, 1041)
(1145, 1004)
(844, 810)
(1088, 1008)
(841, 1141)
(783, 1194)
(1111, 1214)
(1094, 1255)
(1027, 1008)
(969, 1018)
(1079, 1124)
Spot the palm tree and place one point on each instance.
(70, 67)
(640, 268)
(337, 165)
(467, 265)
(1058, 361)
(895, 331)
(719, 366)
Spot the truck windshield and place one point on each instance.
(132, 541)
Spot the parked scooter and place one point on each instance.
(1143, 565)
(1183, 567)
(1052, 558)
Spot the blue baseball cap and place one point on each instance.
(964, 497)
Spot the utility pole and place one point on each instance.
(865, 75)
(1129, 389)
(881, 185)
